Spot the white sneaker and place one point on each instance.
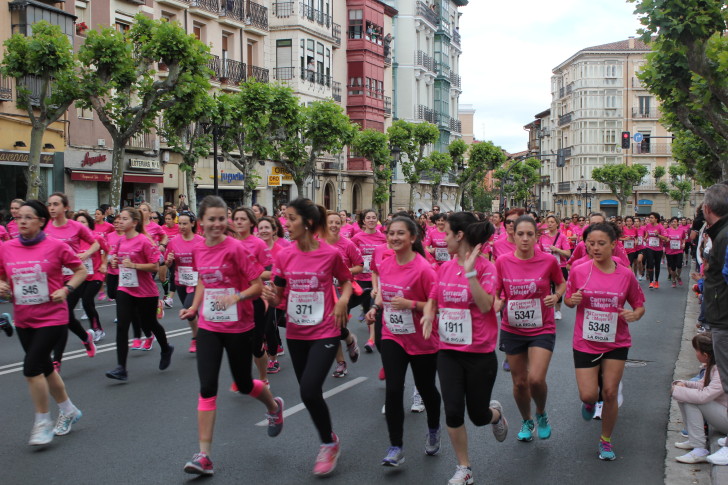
(720, 457)
(640, 278)
(698, 455)
(84, 316)
(63, 424)
(620, 396)
(99, 334)
(463, 476)
(722, 441)
(557, 315)
(683, 445)
(42, 433)
(598, 410)
(384, 409)
(168, 302)
(417, 405)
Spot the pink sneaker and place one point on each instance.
(89, 344)
(234, 387)
(382, 376)
(102, 296)
(136, 344)
(200, 464)
(148, 343)
(193, 346)
(57, 366)
(327, 457)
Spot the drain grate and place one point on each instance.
(635, 363)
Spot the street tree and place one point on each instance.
(413, 139)
(440, 164)
(686, 71)
(119, 81)
(482, 158)
(518, 178)
(374, 146)
(621, 180)
(320, 128)
(678, 187)
(43, 61)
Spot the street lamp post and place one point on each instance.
(587, 195)
(504, 181)
(395, 152)
(216, 130)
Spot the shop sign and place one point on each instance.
(22, 157)
(230, 177)
(285, 174)
(89, 160)
(274, 180)
(145, 164)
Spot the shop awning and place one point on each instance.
(220, 187)
(101, 176)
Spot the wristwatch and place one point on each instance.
(69, 288)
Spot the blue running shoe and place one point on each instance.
(605, 451)
(526, 433)
(544, 428)
(395, 456)
(587, 411)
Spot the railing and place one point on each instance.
(645, 113)
(442, 69)
(564, 186)
(289, 73)
(456, 125)
(284, 73)
(283, 9)
(257, 15)
(234, 9)
(422, 59)
(443, 121)
(33, 84)
(214, 65)
(388, 105)
(424, 11)
(143, 141)
(359, 164)
(258, 73)
(6, 88)
(209, 5)
(336, 91)
(636, 83)
(456, 38)
(427, 114)
(232, 72)
(455, 80)
(336, 33)
(315, 15)
(652, 148)
(565, 119)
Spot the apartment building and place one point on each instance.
(596, 96)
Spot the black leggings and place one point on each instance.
(73, 324)
(674, 261)
(272, 338)
(312, 361)
(37, 344)
(88, 301)
(466, 378)
(424, 368)
(260, 325)
(144, 309)
(653, 263)
(238, 347)
(112, 283)
(365, 299)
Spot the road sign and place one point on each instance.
(638, 137)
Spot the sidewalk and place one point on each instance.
(685, 368)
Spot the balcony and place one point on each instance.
(455, 80)
(565, 119)
(443, 121)
(283, 10)
(456, 38)
(142, 141)
(652, 148)
(336, 33)
(6, 88)
(422, 59)
(336, 91)
(645, 113)
(257, 16)
(388, 105)
(442, 70)
(214, 65)
(32, 84)
(426, 114)
(258, 73)
(427, 13)
(315, 15)
(212, 7)
(233, 10)
(359, 164)
(564, 187)
(302, 80)
(456, 126)
(232, 72)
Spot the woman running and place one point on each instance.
(13, 224)
(435, 240)
(137, 296)
(599, 289)
(96, 270)
(402, 299)
(528, 330)
(654, 234)
(629, 242)
(554, 243)
(112, 274)
(179, 259)
(468, 329)
(506, 244)
(674, 251)
(71, 233)
(228, 279)
(305, 272)
(171, 229)
(31, 268)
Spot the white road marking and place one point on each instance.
(327, 394)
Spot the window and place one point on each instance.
(83, 21)
(645, 103)
(284, 59)
(197, 31)
(356, 24)
(610, 137)
(24, 15)
(122, 27)
(85, 114)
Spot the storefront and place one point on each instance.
(229, 180)
(14, 178)
(609, 207)
(644, 207)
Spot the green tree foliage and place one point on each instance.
(440, 164)
(119, 81)
(413, 139)
(477, 198)
(621, 180)
(482, 158)
(679, 186)
(45, 58)
(320, 128)
(374, 146)
(518, 178)
(688, 72)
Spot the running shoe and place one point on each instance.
(557, 315)
(275, 420)
(684, 434)
(42, 433)
(280, 351)
(89, 344)
(101, 297)
(119, 373)
(506, 366)
(695, 456)
(99, 335)
(526, 433)
(652, 285)
(395, 456)
(641, 277)
(84, 316)
(417, 404)
(160, 310)
(605, 451)
(544, 428)
(382, 375)
(234, 387)
(136, 344)
(193, 346)
(587, 411)
(168, 302)
(57, 366)
(64, 422)
(674, 284)
(463, 476)
(148, 343)
(369, 346)
(6, 324)
(353, 349)
(598, 410)
(200, 464)
(327, 457)
(340, 370)
(273, 367)
(679, 281)
(720, 457)
(432, 442)
(500, 427)
(721, 441)
(657, 285)
(166, 358)
(685, 445)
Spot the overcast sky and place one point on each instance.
(510, 49)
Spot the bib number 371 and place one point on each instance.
(306, 307)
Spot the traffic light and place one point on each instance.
(625, 139)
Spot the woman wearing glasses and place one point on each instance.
(507, 244)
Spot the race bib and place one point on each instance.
(66, 271)
(367, 263)
(629, 244)
(441, 254)
(186, 276)
(455, 326)
(399, 322)
(89, 264)
(525, 313)
(128, 277)
(640, 241)
(675, 244)
(653, 242)
(599, 326)
(30, 289)
(216, 311)
(306, 307)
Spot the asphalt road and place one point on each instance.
(143, 431)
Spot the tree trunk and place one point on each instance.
(117, 172)
(299, 186)
(412, 197)
(36, 143)
(435, 193)
(622, 204)
(191, 192)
